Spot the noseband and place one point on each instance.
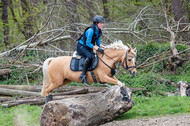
(125, 60)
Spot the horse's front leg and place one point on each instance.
(114, 80)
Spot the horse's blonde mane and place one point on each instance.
(117, 45)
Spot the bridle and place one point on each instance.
(124, 61)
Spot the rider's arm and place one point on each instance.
(98, 43)
(89, 34)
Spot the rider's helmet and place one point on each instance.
(98, 19)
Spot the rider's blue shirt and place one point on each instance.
(89, 34)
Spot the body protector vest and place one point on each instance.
(94, 37)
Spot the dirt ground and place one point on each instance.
(176, 120)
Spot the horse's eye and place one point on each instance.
(129, 60)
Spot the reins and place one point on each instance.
(112, 70)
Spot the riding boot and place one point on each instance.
(85, 69)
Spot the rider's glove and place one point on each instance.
(100, 50)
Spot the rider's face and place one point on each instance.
(100, 25)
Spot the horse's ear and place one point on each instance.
(129, 50)
(134, 49)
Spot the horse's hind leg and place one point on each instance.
(49, 89)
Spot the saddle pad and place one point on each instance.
(77, 64)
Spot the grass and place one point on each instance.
(157, 106)
(24, 115)
(144, 107)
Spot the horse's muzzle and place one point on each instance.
(133, 73)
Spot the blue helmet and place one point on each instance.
(98, 19)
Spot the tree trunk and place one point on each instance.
(86, 110)
(177, 10)
(28, 26)
(5, 21)
(90, 10)
(72, 17)
(106, 11)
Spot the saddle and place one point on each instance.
(77, 62)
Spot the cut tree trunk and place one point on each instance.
(86, 110)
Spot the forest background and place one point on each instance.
(34, 30)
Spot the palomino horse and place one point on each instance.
(57, 72)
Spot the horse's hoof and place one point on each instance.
(49, 98)
(126, 99)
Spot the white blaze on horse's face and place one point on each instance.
(131, 58)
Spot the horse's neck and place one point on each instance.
(114, 54)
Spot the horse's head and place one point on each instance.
(129, 61)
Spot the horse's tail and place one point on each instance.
(45, 75)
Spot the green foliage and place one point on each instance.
(181, 47)
(157, 106)
(146, 80)
(150, 49)
(182, 73)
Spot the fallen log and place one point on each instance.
(34, 88)
(5, 98)
(64, 89)
(5, 71)
(38, 100)
(167, 81)
(37, 88)
(87, 110)
(34, 100)
(11, 92)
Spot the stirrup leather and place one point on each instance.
(83, 79)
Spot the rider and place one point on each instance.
(86, 44)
